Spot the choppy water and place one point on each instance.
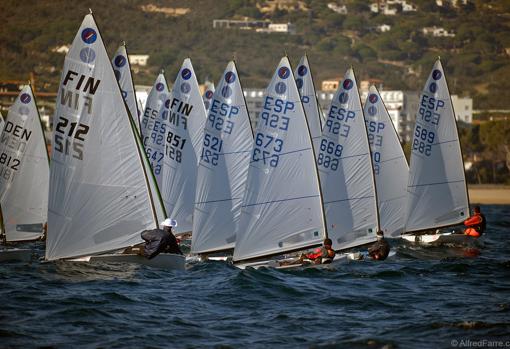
(437, 298)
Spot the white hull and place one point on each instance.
(339, 258)
(15, 254)
(163, 260)
(439, 239)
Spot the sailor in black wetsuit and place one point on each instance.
(380, 249)
(161, 240)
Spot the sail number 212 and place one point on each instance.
(70, 137)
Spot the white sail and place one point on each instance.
(345, 168)
(390, 165)
(24, 171)
(304, 82)
(153, 127)
(122, 70)
(185, 121)
(99, 198)
(223, 167)
(208, 95)
(282, 205)
(437, 194)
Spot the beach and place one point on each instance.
(487, 194)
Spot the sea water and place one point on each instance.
(421, 298)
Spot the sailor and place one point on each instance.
(161, 240)
(475, 225)
(380, 249)
(322, 255)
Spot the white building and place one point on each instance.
(454, 3)
(61, 49)
(388, 7)
(463, 108)
(288, 28)
(437, 32)
(140, 60)
(383, 28)
(337, 8)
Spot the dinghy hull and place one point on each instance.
(439, 239)
(164, 260)
(16, 254)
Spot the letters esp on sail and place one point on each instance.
(344, 162)
(436, 191)
(282, 205)
(223, 167)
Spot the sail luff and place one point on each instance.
(134, 113)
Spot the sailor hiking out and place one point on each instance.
(161, 240)
(475, 225)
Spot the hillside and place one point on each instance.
(475, 59)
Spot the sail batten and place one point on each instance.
(436, 191)
(282, 206)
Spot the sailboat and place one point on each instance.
(282, 206)
(346, 174)
(122, 70)
(304, 82)
(389, 163)
(153, 127)
(24, 175)
(208, 95)
(99, 197)
(223, 167)
(185, 118)
(436, 192)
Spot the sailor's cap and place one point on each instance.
(169, 222)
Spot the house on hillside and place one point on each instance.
(61, 49)
(140, 60)
(437, 32)
(341, 9)
(383, 28)
(389, 7)
(288, 28)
